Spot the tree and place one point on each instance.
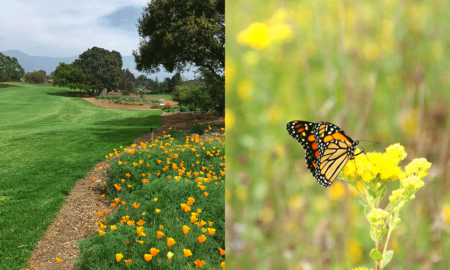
(177, 34)
(10, 69)
(34, 77)
(142, 80)
(67, 76)
(164, 86)
(127, 81)
(174, 81)
(103, 67)
(43, 72)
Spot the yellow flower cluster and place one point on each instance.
(376, 166)
(260, 35)
(377, 216)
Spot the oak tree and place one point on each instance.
(176, 34)
(10, 69)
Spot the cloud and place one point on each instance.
(68, 28)
(124, 18)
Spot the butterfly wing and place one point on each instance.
(302, 131)
(336, 148)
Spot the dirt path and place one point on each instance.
(77, 216)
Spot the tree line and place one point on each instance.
(176, 36)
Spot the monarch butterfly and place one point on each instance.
(328, 148)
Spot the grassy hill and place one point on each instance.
(49, 140)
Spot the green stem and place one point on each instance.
(387, 240)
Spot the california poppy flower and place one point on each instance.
(148, 257)
(170, 241)
(187, 253)
(201, 239)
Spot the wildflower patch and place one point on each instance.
(168, 205)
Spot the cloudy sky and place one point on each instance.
(68, 28)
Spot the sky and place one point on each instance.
(68, 28)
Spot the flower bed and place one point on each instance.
(169, 207)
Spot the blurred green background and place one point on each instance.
(377, 69)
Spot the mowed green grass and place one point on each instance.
(49, 139)
(166, 96)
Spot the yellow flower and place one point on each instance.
(169, 255)
(222, 251)
(170, 241)
(101, 232)
(157, 211)
(354, 249)
(113, 228)
(148, 257)
(376, 217)
(140, 230)
(257, 36)
(119, 257)
(223, 265)
(186, 229)
(187, 253)
(201, 239)
(159, 234)
(58, 260)
(154, 251)
(128, 261)
(155, 199)
(199, 263)
(211, 231)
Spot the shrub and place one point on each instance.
(184, 109)
(35, 77)
(198, 128)
(177, 134)
(166, 107)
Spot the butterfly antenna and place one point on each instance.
(370, 141)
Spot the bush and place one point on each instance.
(198, 128)
(166, 107)
(35, 77)
(177, 134)
(184, 109)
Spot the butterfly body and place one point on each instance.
(328, 148)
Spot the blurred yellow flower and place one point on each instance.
(257, 36)
(187, 253)
(245, 89)
(337, 191)
(170, 241)
(201, 239)
(159, 234)
(154, 251)
(169, 255)
(186, 229)
(446, 212)
(148, 257)
(354, 250)
(371, 51)
(119, 257)
(58, 260)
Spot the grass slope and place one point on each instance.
(49, 139)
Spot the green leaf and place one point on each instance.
(372, 193)
(383, 232)
(376, 255)
(387, 258)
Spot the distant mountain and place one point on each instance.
(49, 64)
